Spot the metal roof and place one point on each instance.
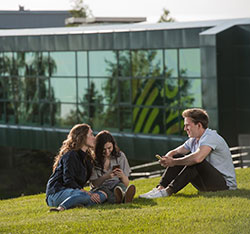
(216, 25)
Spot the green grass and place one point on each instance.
(186, 212)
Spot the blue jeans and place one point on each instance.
(69, 198)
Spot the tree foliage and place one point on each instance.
(165, 17)
(80, 9)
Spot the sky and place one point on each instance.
(180, 10)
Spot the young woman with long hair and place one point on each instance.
(71, 171)
(111, 170)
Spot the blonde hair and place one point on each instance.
(76, 139)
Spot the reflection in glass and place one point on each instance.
(172, 121)
(110, 117)
(45, 113)
(6, 64)
(125, 119)
(103, 117)
(1, 64)
(82, 63)
(147, 63)
(190, 93)
(83, 114)
(64, 63)
(171, 63)
(147, 92)
(10, 112)
(20, 62)
(28, 113)
(148, 120)
(102, 63)
(82, 89)
(64, 89)
(3, 81)
(124, 66)
(2, 104)
(29, 90)
(44, 65)
(43, 89)
(171, 93)
(190, 62)
(12, 88)
(124, 90)
(90, 102)
(105, 88)
(2, 112)
(66, 115)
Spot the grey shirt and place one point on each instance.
(111, 183)
(220, 156)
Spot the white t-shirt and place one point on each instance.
(220, 156)
(110, 183)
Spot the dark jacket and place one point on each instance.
(73, 171)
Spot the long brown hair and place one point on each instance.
(76, 139)
(101, 139)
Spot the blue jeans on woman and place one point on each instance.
(69, 198)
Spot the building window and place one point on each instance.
(137, 91)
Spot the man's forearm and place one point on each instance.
(187, 160)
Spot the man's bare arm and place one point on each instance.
(187, 160)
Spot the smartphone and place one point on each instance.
(158, 156)
(115, 166)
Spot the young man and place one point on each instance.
(204, 160)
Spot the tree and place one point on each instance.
(80, 10)
(165, 17)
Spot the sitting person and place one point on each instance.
(71, 171)
(204, 160)
(111, 170)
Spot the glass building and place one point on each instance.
(134, 80)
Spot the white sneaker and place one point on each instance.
(145, 195)
(160, 193)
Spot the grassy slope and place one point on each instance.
(186, 212)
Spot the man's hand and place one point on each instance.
(167, 161)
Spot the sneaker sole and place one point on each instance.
(118, 196)
(130, 193)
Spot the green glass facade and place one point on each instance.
(135, 91)
(134, 80)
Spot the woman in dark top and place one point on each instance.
(71, 171)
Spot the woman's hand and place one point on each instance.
(110, 175)
(95, 197)
(85, 191)
(118, 172)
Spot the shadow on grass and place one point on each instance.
(186, 195)
(244, 193)
(137, 203)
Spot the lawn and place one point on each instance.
(186, 212)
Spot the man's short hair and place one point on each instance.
(197, 115)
